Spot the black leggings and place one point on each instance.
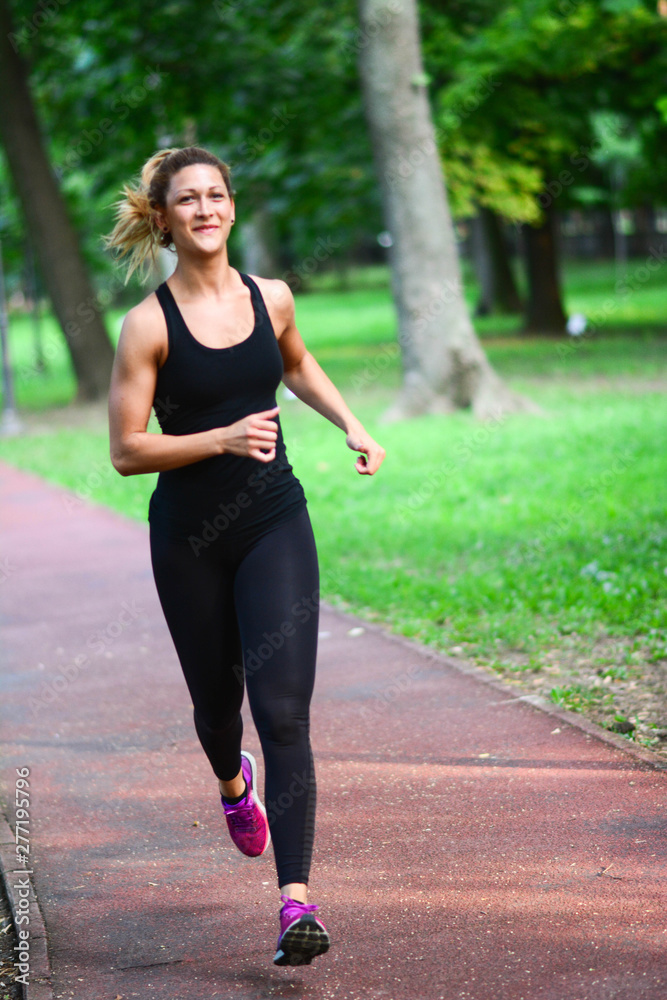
(251, 608)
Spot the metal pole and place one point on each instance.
(10, 424)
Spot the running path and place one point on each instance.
(469, 845)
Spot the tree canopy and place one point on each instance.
(536, 100)
(525, 94)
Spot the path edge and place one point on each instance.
(574, 719)
(39, 982)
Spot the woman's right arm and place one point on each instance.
(133, 449)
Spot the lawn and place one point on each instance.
(535, 546)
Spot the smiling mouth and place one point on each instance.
(206, 229)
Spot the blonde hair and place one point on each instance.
(136, 231)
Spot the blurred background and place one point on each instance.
(468, 200)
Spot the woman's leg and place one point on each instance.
(196, 593)
(277, 603)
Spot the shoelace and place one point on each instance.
(298, 908)
(243, 815)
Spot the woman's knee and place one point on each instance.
(282, 725)
(216, 722)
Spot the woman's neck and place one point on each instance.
(211, 277)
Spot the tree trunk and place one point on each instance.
(498, 291)
(74, 301)
(544, 309)
(645, 231)
(444, 365)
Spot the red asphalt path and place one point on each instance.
(469, 845)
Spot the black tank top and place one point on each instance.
(199, 388)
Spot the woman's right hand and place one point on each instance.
(255, 436)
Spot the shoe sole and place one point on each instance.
(302, 942)
(255, 795)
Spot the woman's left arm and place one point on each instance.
(313, 386)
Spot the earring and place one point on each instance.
(233, 221)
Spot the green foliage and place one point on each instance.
(478, 175)
(519, 89)
(532, 83)
(243, 79)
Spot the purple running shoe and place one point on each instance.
(248, 826)
(302, 935)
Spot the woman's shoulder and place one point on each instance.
(279, 300)
(275, 288)
(147, 314)
(145, 325)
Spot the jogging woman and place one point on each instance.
(232, 548)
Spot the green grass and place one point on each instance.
(504, 541)
(503, 537)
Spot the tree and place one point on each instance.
(74, 301)
(544, 308)
(444, 365)
(551, 70)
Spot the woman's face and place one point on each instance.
(199, 209)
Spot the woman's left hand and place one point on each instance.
(372, 455)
